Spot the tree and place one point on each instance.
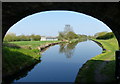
(71, 35)
(61, 36)
(67, 29)
(10, 37)
(67, 34)
(37, 38)
(22, 38)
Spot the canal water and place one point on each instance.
(61, 63)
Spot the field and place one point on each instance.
(100, 68)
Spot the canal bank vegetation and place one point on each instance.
(104, 35)
(32, 44)
(16, 58)
(18, 55)
(100, 68)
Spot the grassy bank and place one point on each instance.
(31, 44)
(19, 55)
(100, 68)
(15, 59)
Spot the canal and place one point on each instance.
(61, 63)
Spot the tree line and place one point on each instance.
(66, 35)
(12, 37)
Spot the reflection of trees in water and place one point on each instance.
(67, 49)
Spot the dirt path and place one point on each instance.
(99, 77)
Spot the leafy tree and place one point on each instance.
(61, 36)
(10, 37)
(22, 38)
(91, 37)
(67, 29)
(32, 37)
(37, 38)
(67, 34)
(71, 35)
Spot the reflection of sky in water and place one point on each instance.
(58, 67)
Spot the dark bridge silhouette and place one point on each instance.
(109, 13)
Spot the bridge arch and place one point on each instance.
(105, 12)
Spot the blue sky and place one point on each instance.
(49, 23)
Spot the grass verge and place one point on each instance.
(15, 59)
(19, 55)
(31, 44)
(100, 68)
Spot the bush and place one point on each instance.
(106, 36)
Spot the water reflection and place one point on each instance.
(67, 49)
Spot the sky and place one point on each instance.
(49, 23)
